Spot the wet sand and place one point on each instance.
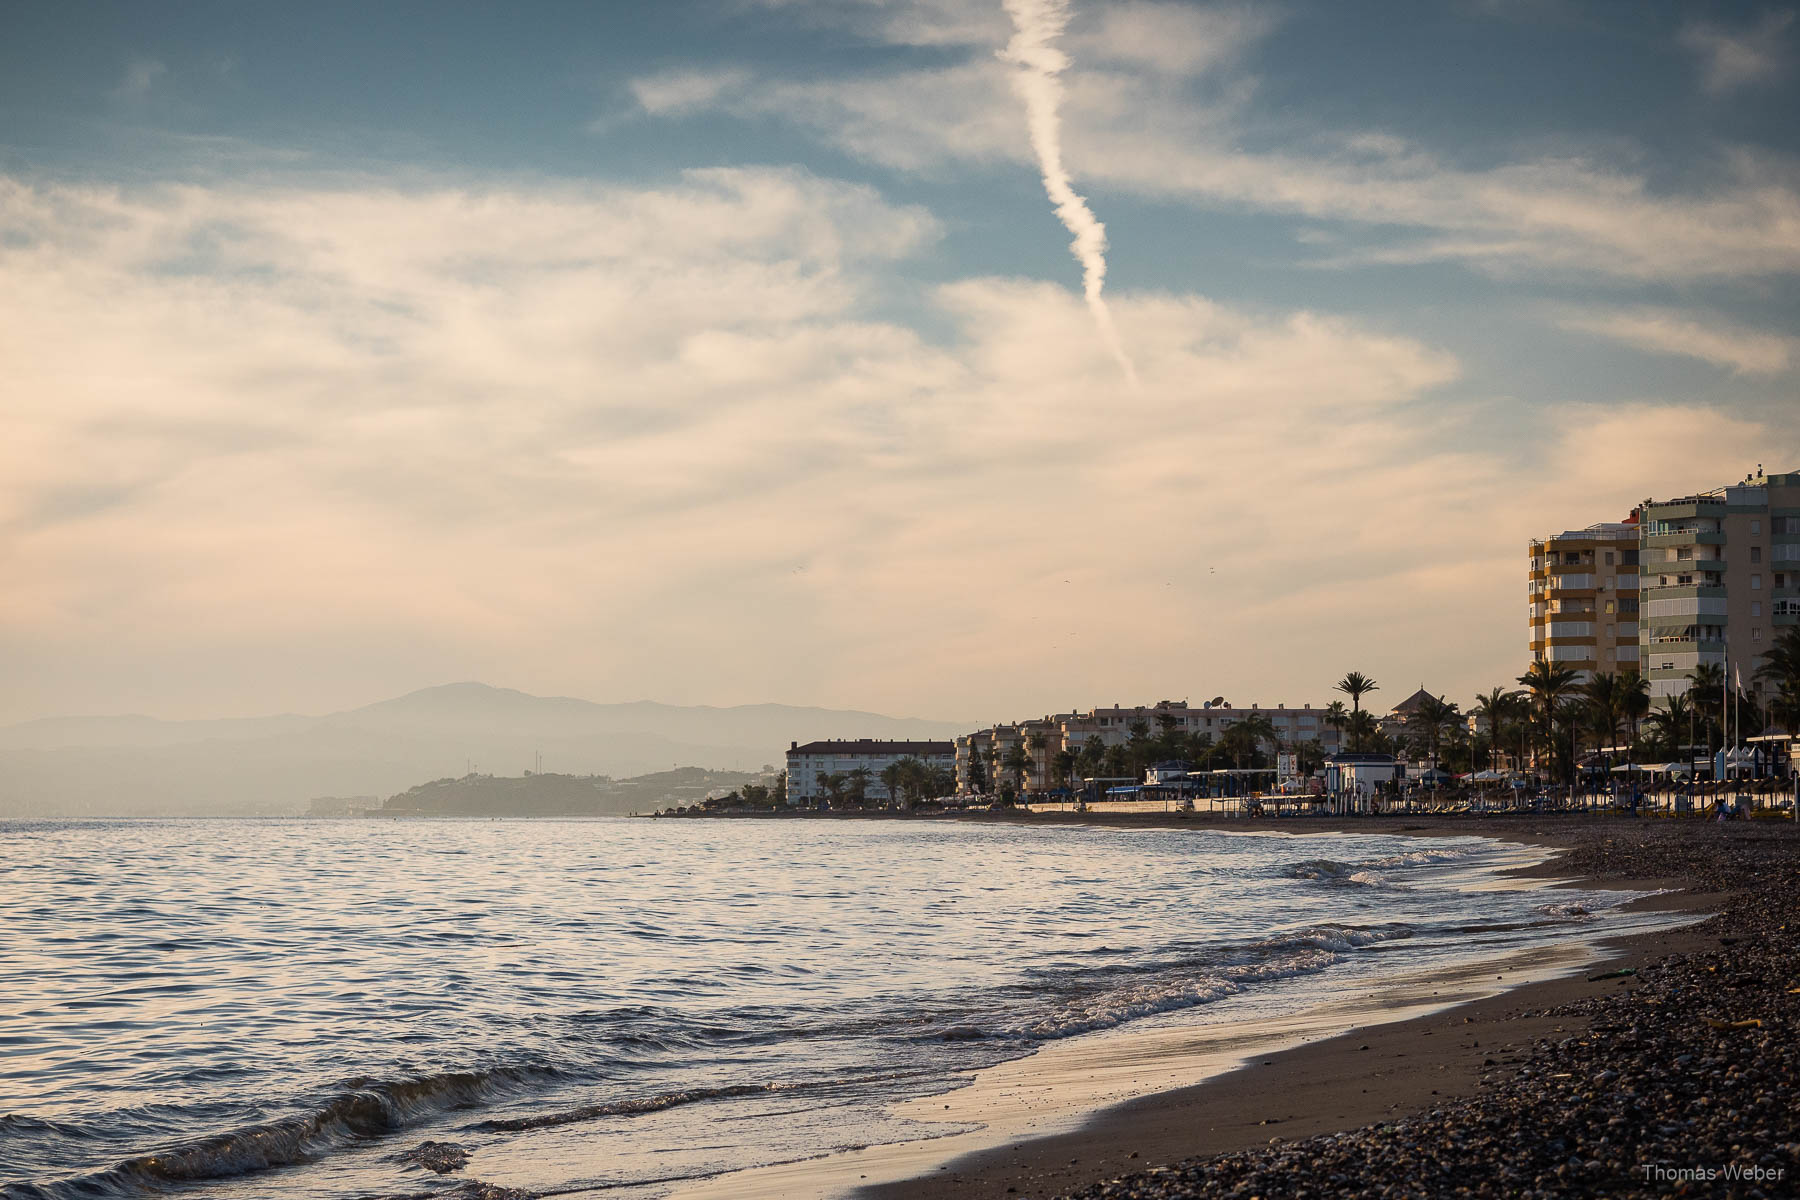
(1079, 1113)
(1570, 1086)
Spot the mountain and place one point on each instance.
(135, 766)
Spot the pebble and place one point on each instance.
(1649, 1082)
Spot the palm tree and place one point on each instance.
(1784, 706)
(1603, 696)
(859, 784)
(1706, 691)
(1035, 742)
(1634, 700)
(1256, 729)
(1781, 668)
(1548, 683)
(1494, 707)
(1672, 725)
(1356, 685)
(892, 776)
(1434, 714)
(1092, 756)
(1018, 762)
(1336, 717)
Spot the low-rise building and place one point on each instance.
(1114, 726)
(981, 756)
(808, 765)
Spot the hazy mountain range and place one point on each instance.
(133, 765)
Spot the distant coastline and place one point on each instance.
(551, 795)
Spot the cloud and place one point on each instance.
(663, 441)
(1664, 331)
(902, 22)
(141, 76)
(1392, 201)
(676, 93)
(1180, 40)
(1733, 59)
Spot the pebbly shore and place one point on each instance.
(1679, 1078)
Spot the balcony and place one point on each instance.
(1685, 537)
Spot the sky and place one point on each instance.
(735, 350)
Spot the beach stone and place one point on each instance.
(1585, 1111)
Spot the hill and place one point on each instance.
(139, 766)
(559, 795)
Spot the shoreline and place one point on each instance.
(1577, 1085)
(1207, 1090)
(1371, 1072)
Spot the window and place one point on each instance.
(1609, 558)
(1609, 606)
(1756, 554)
(1756, 583)
(1756, 635)
(1756, 608)
(1756, 527)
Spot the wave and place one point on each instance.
(372, 1110)
(1420, 858)
(1329, 870)
(627, 1108)
(1568, 911)
(1300, 952)
(1369, 871)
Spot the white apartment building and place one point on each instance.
(1048, 736)
(805, 764)
(1721, 573)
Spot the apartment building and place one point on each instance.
(1584, 597)
(805, 764)
(1721, 580)
(1113, 725)
(1043, 739)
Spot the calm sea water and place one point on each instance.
(266, 1008)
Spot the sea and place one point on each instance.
(620, 1007)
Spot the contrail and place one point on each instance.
(1037, 24)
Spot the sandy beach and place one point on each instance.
(1501, 1085)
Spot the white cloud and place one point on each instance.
(656, 442)
(1664, 331)
(675, 93)
(1173, 39)
(1126, 128)
(1733, 59)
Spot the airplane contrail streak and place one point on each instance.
(1037, 24)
